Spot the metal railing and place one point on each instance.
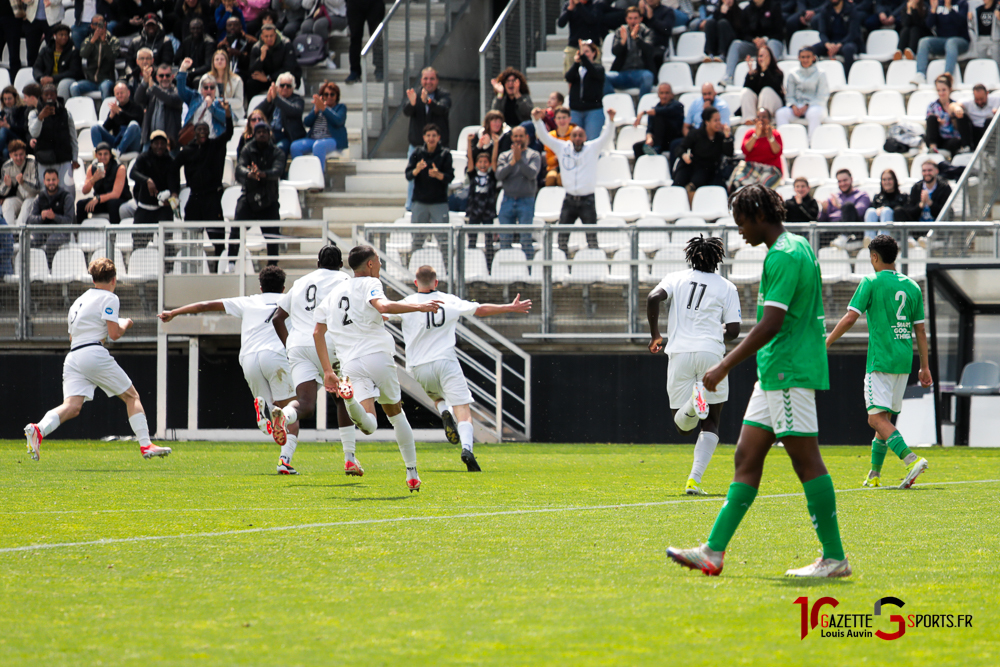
(518, 33)
(978, 189)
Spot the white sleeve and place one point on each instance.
(732, 312)
(111, 307)
(466, 308)
(285, 302)
(373, 290)
(235, 306)
(322, 309)
(667, 285)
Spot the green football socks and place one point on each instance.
(822, 503)
(879, 448)
(897, 445)
(738, 501)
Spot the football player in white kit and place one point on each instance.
(262, 357)
(92, 318)
(431, 358)
(703, 313)
(297, 306)
(353, 313)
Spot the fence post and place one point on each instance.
(547, 314)
(24, 288)
(521, 11)
(427, 37)
(633, 282)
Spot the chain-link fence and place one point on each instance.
(513, 41)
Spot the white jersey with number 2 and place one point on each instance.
(700, 304)
(431, 336)
(301, 301)
(356, 325)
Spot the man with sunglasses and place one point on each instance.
(163, 106)
(283, 109)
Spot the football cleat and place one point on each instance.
(262, 422)
(154, 450)
(469, 459)
(823, 568)
(346, 389)
(692, 488)
(700, 558)
(450, 427)
(278, 431)
(872, 481)
(353, 469)
(912, 471)
(285, 468)
(34, 436)
(698, 398)
(413, 484)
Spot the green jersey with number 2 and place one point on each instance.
(893, 304)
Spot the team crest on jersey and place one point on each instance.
(109, 310)
(374, 292)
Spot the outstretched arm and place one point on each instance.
(925, 367)
(515, 306)
(191, 308)
(653, 301)
(278, 322)
(843, 326)
(387, 307)
(759, 336)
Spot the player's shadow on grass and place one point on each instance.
(365, 500)
(104, 470)
(328, 486)
(453, 470)
(805, 582)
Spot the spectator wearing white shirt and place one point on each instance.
(578, 166)
(975, 115)
(807, 92)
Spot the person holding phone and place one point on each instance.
(106, 180)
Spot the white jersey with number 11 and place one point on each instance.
(700, 304)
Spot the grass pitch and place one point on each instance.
(553, 555)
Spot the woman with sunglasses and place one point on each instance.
(282, 99)
(229, 83)
(327, 133)
(203, 107)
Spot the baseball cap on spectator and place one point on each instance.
(103, 146)
(158, 134)
(150, 18)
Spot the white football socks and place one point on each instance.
(348, 438)
(49, 422)
(291, 415)
(703, 450)
(288, 449)
(404, 437)
(465, 434)
(361, 417)
(442, 406)
(140, 428)
(686, 419)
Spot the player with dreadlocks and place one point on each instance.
(703, 312)
(790, 343)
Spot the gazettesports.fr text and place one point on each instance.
(912, 620)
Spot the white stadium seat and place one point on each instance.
(828, 140)
(750, 266)
(667, 260)
(834, 70)
(38, 266)
(832, 267)
(476, 269)
(612, 240)
(899, 75)
(623, 106)
(621, 273)
(229, 197)
(306, 173)
(509, 266)
(799, 41)
(867, 139)
(678, 75)
(650, 172)
(862, 266)
(428, 257)
(984, 71)
(916, 106)
(847, 108)
(867, 77)
(738, 135)
(288, 203)
(23, 77)
(935, 68)
(654, 233)
(709, 73)
(463, 138)
(794, 140)
(881, 46)
(918, 163)
(143, 265)
(628, 136)
(711, 202)
(560, 267)
(885, 107)
(69, 265)
(584, 272)
(740, 75)
(646, 102)
(813, 167)
(613, 171)
(602, 202)
(82, 110)
(671, 202)
(690, 48)
(631, 203)
(548, 203)
(852, 162)
(894, 161)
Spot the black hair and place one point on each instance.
(359, 255)
(707, 113)
(429, 127)
(272, 279)
(48, 171)
(704, 254)
(331, 258)
(885, 247)
(757, 199)
(895, 182)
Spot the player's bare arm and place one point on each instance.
(117, 329)
(731, 331)
(191, 309)
(278, 322)
(515, 306)
(759, 336)
(925, 368)
(330, 380)
(387, 307)
(843, 326)
(653, 301)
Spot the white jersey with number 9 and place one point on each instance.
(301, 301)
(356, 325)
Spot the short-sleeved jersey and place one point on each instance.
(431, 336)
(89, 314)
(796, 356)
(256, 331)
(356, 325)
(893, 304)
(700, 303)
(301, 301)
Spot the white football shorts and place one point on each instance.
(884, 392)
(444, 379)
(268, 375)
(783, 412)
(373, 376)
(304, 362)
(684, 369)
(93, 366)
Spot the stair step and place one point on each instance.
(376, 183)
(381, 166)
(359, 215)
(363, 198)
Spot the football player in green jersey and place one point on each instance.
(791, 365)
(894, 306)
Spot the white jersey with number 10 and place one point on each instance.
(700, 304)
(305, 296)
(356, 325)
(431, 336)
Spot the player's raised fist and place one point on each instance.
(656, 344)
(166, 316)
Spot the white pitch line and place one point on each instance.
(466, 515)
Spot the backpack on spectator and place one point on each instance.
(309, 49)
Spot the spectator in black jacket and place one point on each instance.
(585, 21)
(283, 110)
(665, 123)
(702, 152)
(764, 86)
(153, 38)
(185, 13)
(269, 57)
(431, 172)
(660, 19)
(54, 138)
(10, 33)
(760, 25)
(18, 119)
(203, 161)
(913, 27)
(163, 106)
(805, 16)
(122, 129)
(52, 206)
(801, 207)
(634, 56)
(81, 27)
(927, 197)
(884, 15)
(512, 97)
(156, 178)
(126, 18)
(586, 91)
(430, 106)
(259, 169)
(839, 33)
(105, 177)
(238, 46)
(720, 28)
(99, 52)
(360, 12)
(199, 47)
(61, 50)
